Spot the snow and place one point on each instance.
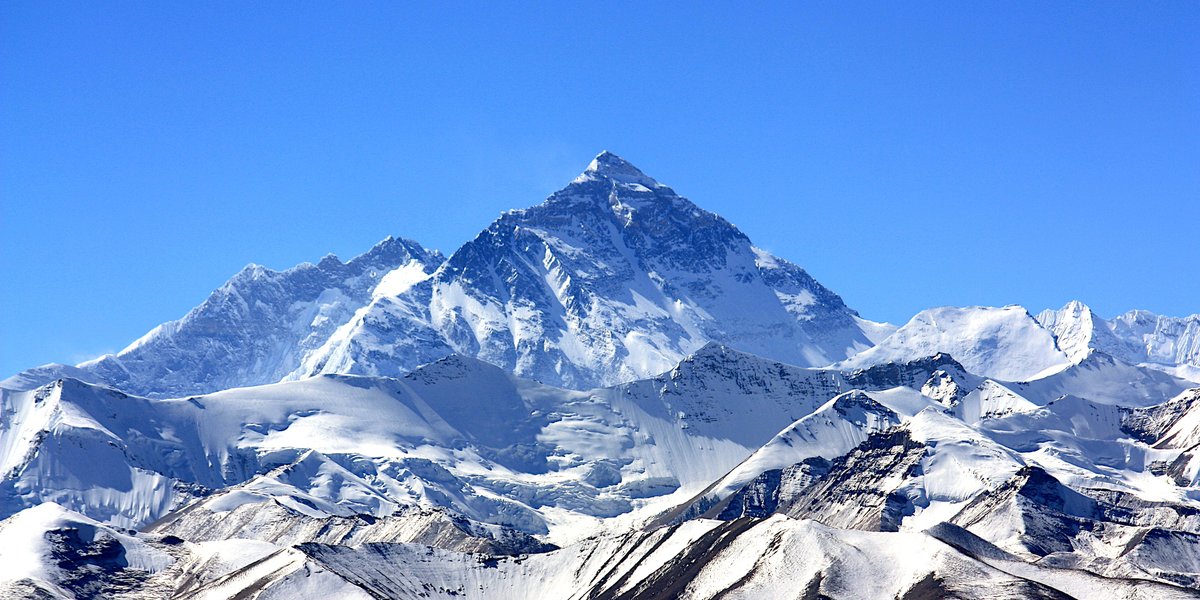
(1001, 343)
(23, 546)
(1184, 432)
(961, 461)
(234, 499)
(1186, 372)
(904, 401)
(1102, 378)
(612, 279)
(611, 358)
(313, 582)
(1137, 336)
(875, 331)
(402, 278)
(350, 444)
(991, 400)
(25, 549)
(831, 431)
(277, 562)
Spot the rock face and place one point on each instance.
(613, 278)
(1103, 531)
(850, 496)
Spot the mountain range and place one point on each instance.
(611, 394)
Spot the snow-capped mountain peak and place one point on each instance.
(1078, 330)
(1005, 343)
(254, 329)
(613, 278)
(609, 166)
(1137, 336)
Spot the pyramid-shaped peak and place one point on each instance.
(1071, 310)
(607, 165)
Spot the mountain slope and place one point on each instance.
(1000, 343)
(1137, 336)
(458, 434)
(747, 558)
(50, 552)
(613, 278)
(255, 329)
(1102, 378)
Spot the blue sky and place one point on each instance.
(907, 156)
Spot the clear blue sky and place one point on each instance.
(907, 156)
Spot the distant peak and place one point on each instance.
(1075, 306)
(607, 165)
(394, 251)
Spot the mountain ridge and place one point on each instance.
(612, 278)
(612, 393)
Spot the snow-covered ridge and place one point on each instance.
(611, 279)
(1004, 343)
(371, 446)
(1010, 344)
(458, 434)
(613, 394)
(345, 464)
(1137, 336)
(254, 329)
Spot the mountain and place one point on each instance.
(1078, 331)
(1002, 343)
(1066, 352)
(610, 395)
(1164, 340)
(1137, 336)
(505, 457)
(1061, 486)
(50, 552)
(385, 487)
(773, 558)
(613, 278)
(747, 558)
(255, 329)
